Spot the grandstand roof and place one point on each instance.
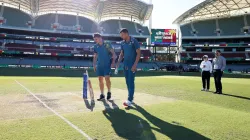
(212, 9)
(97, 10)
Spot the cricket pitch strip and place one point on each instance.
(21, 106)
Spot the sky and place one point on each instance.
(166, 11)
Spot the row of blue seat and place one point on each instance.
(228, 26)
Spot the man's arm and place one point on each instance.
(223, 64)
(138, 52)
(113, 55)
(120, 59)
(201, 66)
(95, 59)
(138, 56)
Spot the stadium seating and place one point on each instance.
(110, 26)
(87, 25)
(67, 20)
(186, 30)
(130, 26)
(17, 45)
(18, 20)
(45, 21)
(205, 28)
(22, 49)
(62, 62)
(200, 55)
(211, 55)
(57, 51)
(145, 30)
(57, 48)
(184, 55)
(231, 26)
(208, 27)
(233, 55)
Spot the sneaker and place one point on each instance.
(127, 103)
(108, 95)
(203, 89)
(101, 97)
(216, 92)
(207, 90)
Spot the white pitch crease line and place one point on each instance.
(56, 113)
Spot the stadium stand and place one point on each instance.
(226, 25)
(231, 39)
(130, 26)
(186, 30)
(144, 30)
(45, 21)
(110, 27)
(87, 25)
(205, 28)
(67, 20)
(70, 47)
(20, 16)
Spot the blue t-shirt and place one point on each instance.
(129, 51)
(103, 52)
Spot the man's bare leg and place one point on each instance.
(101, 85)
(108, 84)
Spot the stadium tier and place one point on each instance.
(38, 32)
(71, 23)
(208, 27)
(223, 27)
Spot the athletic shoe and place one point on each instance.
(127, 103)
(108, 95)
(207, 90)
(203, 89)
(220, 92)
(216, 92)
(101, 97)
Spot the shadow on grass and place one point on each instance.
(127, 125)
(132, 127)
(236, 96)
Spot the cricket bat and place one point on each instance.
(91, 92)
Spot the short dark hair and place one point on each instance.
(218, 51)
(97, 35)
(124, 30)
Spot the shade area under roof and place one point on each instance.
(96, 10)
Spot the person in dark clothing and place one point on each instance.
(219, 65)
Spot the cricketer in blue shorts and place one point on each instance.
(104, 59)
(131, 53)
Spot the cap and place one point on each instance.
(205, 56)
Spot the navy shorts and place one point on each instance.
(103, 70)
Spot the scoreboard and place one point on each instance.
(163, 37)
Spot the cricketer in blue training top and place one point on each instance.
(131, 53)
(105, 57)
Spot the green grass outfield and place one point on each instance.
(191, 115)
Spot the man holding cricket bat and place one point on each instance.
(105, 57)
(131, 53)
